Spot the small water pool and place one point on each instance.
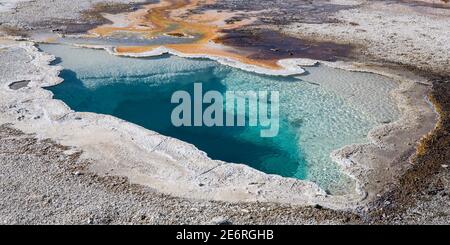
(319, 112)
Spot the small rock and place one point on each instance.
(78, 173)
(220, 221)
(317, 206)
(435, 191)
(70, 152)
(444, 165)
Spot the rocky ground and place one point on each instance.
(82, 16)
(422, 196)
(396, 32)
(42, 184)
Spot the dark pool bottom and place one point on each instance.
(149, 106)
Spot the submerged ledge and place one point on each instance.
(289, 67)
(96, 135)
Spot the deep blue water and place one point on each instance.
(147, 104)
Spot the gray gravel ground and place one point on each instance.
(432, 206)
(46, 183)
(41, 184)
(57, 14)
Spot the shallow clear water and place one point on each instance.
(320, 112)
(126, 40)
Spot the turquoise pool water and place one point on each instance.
(319, 112)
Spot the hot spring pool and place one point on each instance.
(321, 111)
